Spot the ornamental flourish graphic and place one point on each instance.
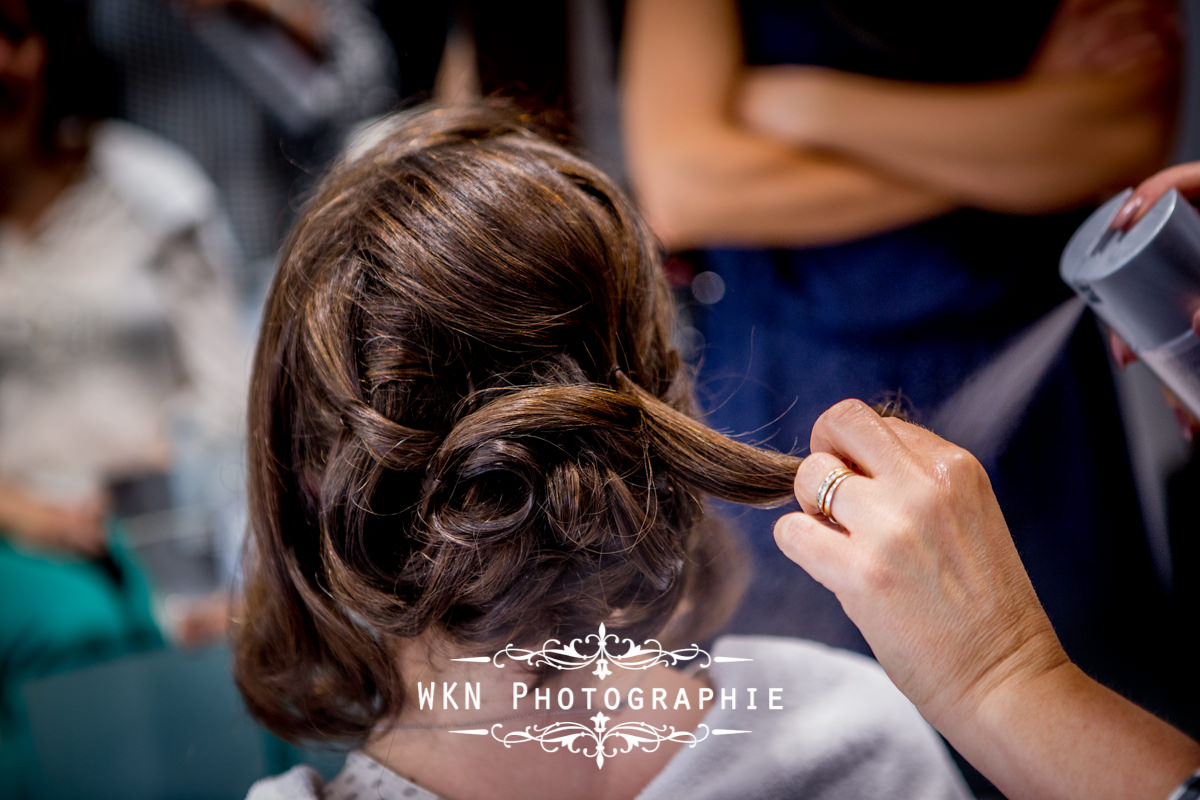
(605, 651)
(600, 742)
(553, 653)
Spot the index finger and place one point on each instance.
(1185, 178)
(853, 430)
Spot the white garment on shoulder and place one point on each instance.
(362, 778)
(844, 733)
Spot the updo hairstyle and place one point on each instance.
(467, 417)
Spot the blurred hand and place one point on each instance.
(922, 561)
(303, 20)
(76, 528)
(198, 621)
(1110, 36)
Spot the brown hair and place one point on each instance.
(467, 416)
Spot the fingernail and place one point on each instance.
(1126, 213)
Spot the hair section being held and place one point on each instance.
(467, 418)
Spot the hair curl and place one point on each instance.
(467, 416)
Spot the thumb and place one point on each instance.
(821, 549)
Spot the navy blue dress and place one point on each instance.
(915, 311)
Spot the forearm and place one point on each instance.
(1062, 735)
(726, 188)
(1024, 146)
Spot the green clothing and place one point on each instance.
(58, 613)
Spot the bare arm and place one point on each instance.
(1048, 141)
(1021, 147)
(704, 179)
(1063, 735)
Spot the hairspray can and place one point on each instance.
(1145, 283)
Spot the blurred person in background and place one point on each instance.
(117, 323)
(258, 92)
(879, 196)
(554, 59)
(518, 49)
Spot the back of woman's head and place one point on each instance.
(467, 419)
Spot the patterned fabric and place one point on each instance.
(363, 777)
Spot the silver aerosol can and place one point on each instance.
(1145, 283)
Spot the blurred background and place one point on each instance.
(856, 199)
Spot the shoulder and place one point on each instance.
(811, 676)
(784, 656)
(298, 783)
(360, 775)
(838, 729)
(161, 184)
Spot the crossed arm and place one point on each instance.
(1024, 146)
(703, 178)
(723, 154)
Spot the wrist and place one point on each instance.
(1061, 734)
(1036, 664)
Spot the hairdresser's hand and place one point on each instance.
(925, 567)
(924, 564)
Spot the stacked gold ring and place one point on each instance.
(825, 494)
